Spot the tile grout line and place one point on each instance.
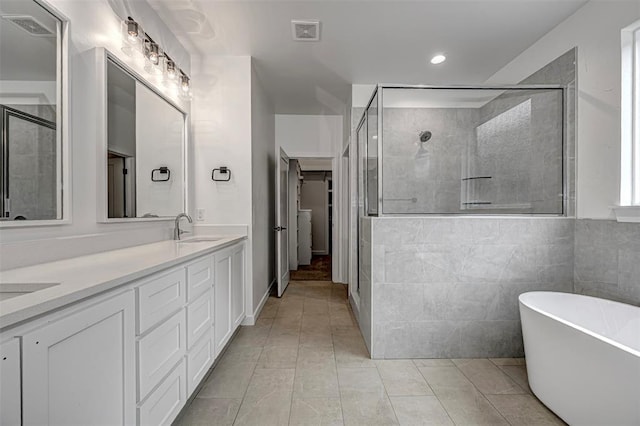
(434, 392)
(482, 393)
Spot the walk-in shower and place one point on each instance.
(464, 202)
(463, 150)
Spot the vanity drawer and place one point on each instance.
(199, 360)
(199, 277)
(164, 404)
(159, 351)
(199, 318)
(160, 297)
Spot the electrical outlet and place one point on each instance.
(200, 215)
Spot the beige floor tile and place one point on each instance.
(445, 378)
(524, 410)
(252, 336)
(469, 407)
(240, 354)
(315, 307)
(368, 409)
(316, 338)
(228, 382)
(433, 362)
(278, 357)
(316, 411)
(518, 374)
(402, 378)
(210, 411)
(316, 383)
(268, 311)
(283, 337)
(318, 322)
(264, 322)
(488, 378)
(268, 398)
(507, 361)
(315, 358)
(269, 410)
(420, 410)
(351, 352)
(356, 382)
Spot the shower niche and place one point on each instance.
(462, 150)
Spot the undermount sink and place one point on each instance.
(200, 240)
(11, 290)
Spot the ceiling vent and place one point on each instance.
(30, 25)
(305, 30)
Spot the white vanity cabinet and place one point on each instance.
(10, 382)
(131, 355)
(228, 293)
(79, 368)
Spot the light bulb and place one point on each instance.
(153, 53)
(172, 73)
(184, 84)
(133, 31)
(438, 59)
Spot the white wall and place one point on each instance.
(263, 168)
(92, 24)
(309, 135)
(314, 196)
(595, 30)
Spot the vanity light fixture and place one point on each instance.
(156, 61)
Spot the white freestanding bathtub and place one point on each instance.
(583, 357)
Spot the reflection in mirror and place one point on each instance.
(145, 149)
(30, 80)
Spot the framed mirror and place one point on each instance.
(34, 154)
(143, 151)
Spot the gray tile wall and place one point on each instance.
(33, 165)
(448, 287)
(365, 280)
(607, 260)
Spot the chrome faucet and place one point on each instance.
(177, 231)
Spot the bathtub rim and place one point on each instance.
(608, 340)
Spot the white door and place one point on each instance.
(282, 221)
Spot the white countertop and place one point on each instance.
(84, 276)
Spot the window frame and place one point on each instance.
(629, 206)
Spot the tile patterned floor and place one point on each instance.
(305, 363)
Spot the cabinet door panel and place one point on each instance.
(164, 404)
(199, 277)
(160, 297)
(222, 290)
(10, 382)
(199, 318)
(237, 286)
(79, 369)
(199, 360)
(159, 351)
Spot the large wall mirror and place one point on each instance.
(31, 113)
(145, 149)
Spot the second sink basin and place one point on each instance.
(11, 290)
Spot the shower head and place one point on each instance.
(425, 136)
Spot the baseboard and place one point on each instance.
(251, 319)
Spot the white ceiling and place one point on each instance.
(23, 56)
(363, 41)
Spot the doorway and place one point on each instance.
(311, 219)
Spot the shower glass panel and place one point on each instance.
(469, 151)
(371, 158)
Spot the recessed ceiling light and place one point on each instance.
(438, 59)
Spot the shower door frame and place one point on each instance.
(379, 91)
